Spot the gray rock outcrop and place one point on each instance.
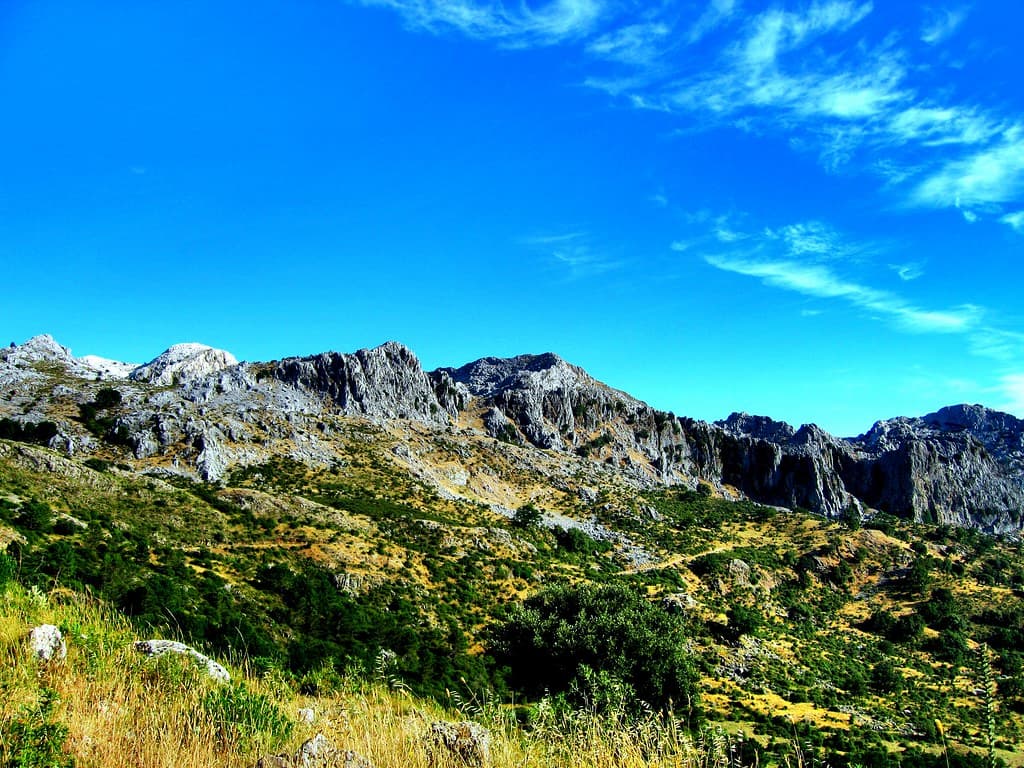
(155, 648)
(47, 643)
(464, 743)
(206, 413)
(317, 752)
(386, 382)
(183, 362)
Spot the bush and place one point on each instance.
(107, 398)
(28, 432)
(527, 517)
(34, 740)
(576, 541)
(8, 570)
(594, 644)
(35, 516)
(744, 620)
(245, 719)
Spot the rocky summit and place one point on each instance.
(196, 410)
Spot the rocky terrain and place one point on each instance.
(197, 410)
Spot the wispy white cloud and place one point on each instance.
(813, 75)
(812, 237)
(814, 260)
(935, 126)
(560, 239)
(993, 175)
(1014, 220)
(816, 74)
(636, 44)
(575, 252)
(753, 74)
(1011, 386)
(998, 344)
(941, 24)
(822, 281)
(776, 31)
(715, 14)
(725, 234)
(908, 272)
(513, 25)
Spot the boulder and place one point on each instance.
(316, 752)
(160, 647)
(463, 742)
(47, 643)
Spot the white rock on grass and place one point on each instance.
(465, 743)
(47, 642)
(160, 647)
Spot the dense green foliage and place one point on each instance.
(600, 646)
(775, 613)
(40, 432)
(36, 740)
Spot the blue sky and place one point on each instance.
(813, 211)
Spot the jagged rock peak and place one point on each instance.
(183, 362)
(39, 349)
(973, 418)
(490, 376)
(760, 427)
(381, 383)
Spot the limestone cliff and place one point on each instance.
(201, 411)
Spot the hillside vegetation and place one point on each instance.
(777, 634)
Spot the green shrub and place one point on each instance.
(596, 644)
(107, 398)
(8, 570)
(243, 719)
(744, 620)
(34, 740)
(527, 517)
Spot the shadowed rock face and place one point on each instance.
(386, 382)
(962, 465)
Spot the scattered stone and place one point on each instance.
(651, 513)
(160, 647)
(740, 572)
(469, 743)
(275, 761)
(678, 602)
(316, 752)
(352, 759)
(47, 643)
(306, 715)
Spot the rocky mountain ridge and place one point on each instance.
(197, 409)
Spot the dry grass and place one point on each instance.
(121, 709)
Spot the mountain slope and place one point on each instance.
(196, 409)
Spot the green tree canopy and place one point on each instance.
(585, 640)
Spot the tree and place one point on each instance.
(527, 517)
(744, 620)
(107, 397)
(919, 578)
(597, 645)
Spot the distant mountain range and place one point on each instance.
(197, 410)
